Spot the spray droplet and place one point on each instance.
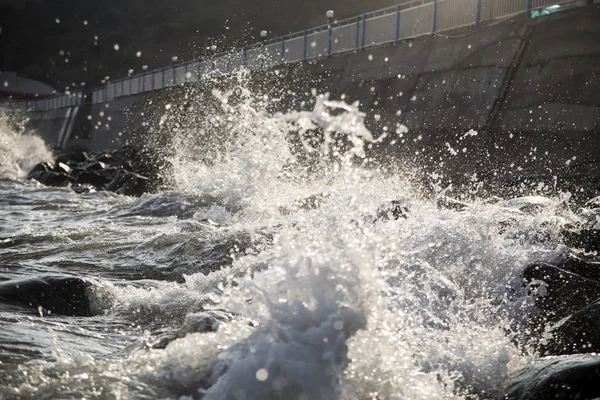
(168, 106)
(138, 54)
(262, 374)
(85, 22)
(370, 57)
(57, 20)
(116, 47)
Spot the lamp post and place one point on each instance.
(329, 14)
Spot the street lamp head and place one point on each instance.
(329, 14)
(263, 34)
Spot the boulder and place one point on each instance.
(578, 333)
(559, 293)
(585, 266)
(568, 377)
(51, 178)
(50, 295)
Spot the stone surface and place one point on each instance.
(559, 293)
(578, 333)
(571, 377)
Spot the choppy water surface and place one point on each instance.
(234, 286)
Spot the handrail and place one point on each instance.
(406, 20)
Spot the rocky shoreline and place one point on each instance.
(125, 171)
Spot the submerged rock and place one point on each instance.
(567, 377)
(56, 295)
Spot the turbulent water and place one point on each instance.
(254, 279)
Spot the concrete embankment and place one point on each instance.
(530, 88)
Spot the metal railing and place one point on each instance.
(386, 26)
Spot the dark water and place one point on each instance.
(234, 286)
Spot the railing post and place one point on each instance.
(185, 72)
(130, 85)
(114, 90)
(364, 30)
(282, 49)
(174, 76)
(477, 14)
(163, 79)
(434, 24)
(305, 46)
(357, 31)
(329, 40)
(528, 7)
(244, 56)
(397, 32)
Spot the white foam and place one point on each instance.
(19, 151)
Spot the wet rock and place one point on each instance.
(559, 293)
(129, 183)
(123, 171)
(569, 377)
(587, 239)
(51, 178)
(584, 266)
(41, 167)
(578, 333)
(50, 295)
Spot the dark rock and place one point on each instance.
(51, 178)
(50, 295)
(579, 333)
(105, 158)
(569, 377)
(129, 183)
(559, 293)
(62, 168)
(582, 266)
(92, 178)
(124, 171)
(587, 239)
(41, 167)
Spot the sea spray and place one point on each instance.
(330, 300)
(19, 150)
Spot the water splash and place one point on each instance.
(19, 151)
(344, 300)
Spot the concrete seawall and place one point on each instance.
(529, 87)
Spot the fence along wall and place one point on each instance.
(389, 25)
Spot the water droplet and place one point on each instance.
(116, 47)
(138, 54)
(262, 374)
